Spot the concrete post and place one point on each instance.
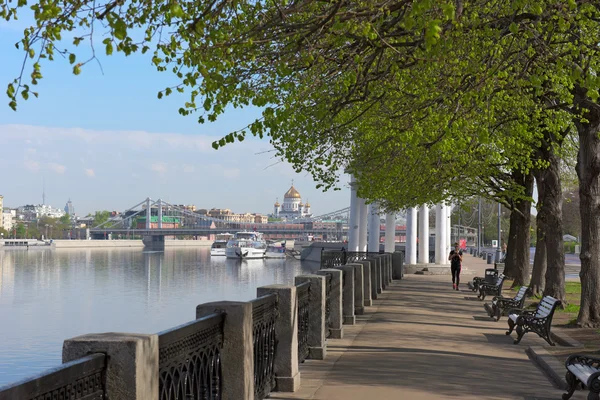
(411, 235)
(335, 303)
(390, 233)
(449, 233)
(385, 268)
(374, 228)
(424, 235)
(317, 349)
(362, 226)
(375, 264)
(367, 283)
(132, 362)
(287, 376)
(347, 294)
(237, 355)
(397, 265)
(444, 235)
(353, 228)
(359, 297)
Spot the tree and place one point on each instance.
(101, 217)
(20, 230)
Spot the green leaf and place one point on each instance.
(176, 10)
(120, 29)
(77, 69)
(72, 58)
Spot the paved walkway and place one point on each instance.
(422, 340)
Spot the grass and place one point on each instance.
(573, 288)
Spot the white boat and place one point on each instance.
(220, 244)
(275, 251)
(246, 245)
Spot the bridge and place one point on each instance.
(153, 220)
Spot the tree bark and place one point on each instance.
(551, 203)
(538, 281)
(517, 259)
(588, 171)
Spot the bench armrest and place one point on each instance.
(521, 311)
(583, 359)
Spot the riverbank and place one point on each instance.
(83, 244)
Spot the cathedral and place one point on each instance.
(292, 207)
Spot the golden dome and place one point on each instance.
(292, 194)
(277, 204)
(307, 204)
(301, 204)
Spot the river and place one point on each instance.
(47, 296)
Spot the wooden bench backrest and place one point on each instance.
(546, 307)
(521, 293)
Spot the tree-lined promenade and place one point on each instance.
(422, 101)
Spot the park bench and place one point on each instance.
(501, 305)
(538, 320)
(490, 275)
(492, 289)
(585, 370)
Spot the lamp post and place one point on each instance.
(499, 248)
(46, 231)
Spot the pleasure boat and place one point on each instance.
(246, 245)
(220, 244)
(274, 251)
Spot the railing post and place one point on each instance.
(397, 265)
(359, 296)
(132, 362)
(237, 356)
(286, 330)
(367, 285)
(347, 294)
(335, 303)
(317, 349)
(377, 265)
(389, 262)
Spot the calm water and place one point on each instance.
(47, 296)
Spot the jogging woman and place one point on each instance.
(455, 258)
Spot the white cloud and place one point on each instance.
(231, 173)
(159, 167)
(32, 165)
(58, 168)
(180, 168)
(188, 168)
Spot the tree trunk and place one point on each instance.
(538, 273)
(517, 262)
(553, 224)
(588, 171)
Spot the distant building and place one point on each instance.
(292, 208)
(8, 218)
(69, 209)
(31, 213)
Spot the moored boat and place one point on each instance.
(220, 244)
(246, 245)
(274, 251)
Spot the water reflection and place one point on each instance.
(47, 296)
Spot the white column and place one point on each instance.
(148, 213)
(411, 235)
(444, 235)
(354, 217)
(449, 243)
(374, 228)
(362, 226)
(424, 235)
(390, 233)
(439, 254)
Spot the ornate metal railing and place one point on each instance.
(82, 379)
(190, 360)
(264, 314)
(303, 294)
(336, 258)
(328, 289)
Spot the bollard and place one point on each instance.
(317, 349)
(237, 355)
(287, 376)
(397, 265)
(131, 362)
(367, 286)
(359, 297)
(347, 295)
(335, 326)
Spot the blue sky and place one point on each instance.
(104, 140)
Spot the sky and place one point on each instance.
(104, 140)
